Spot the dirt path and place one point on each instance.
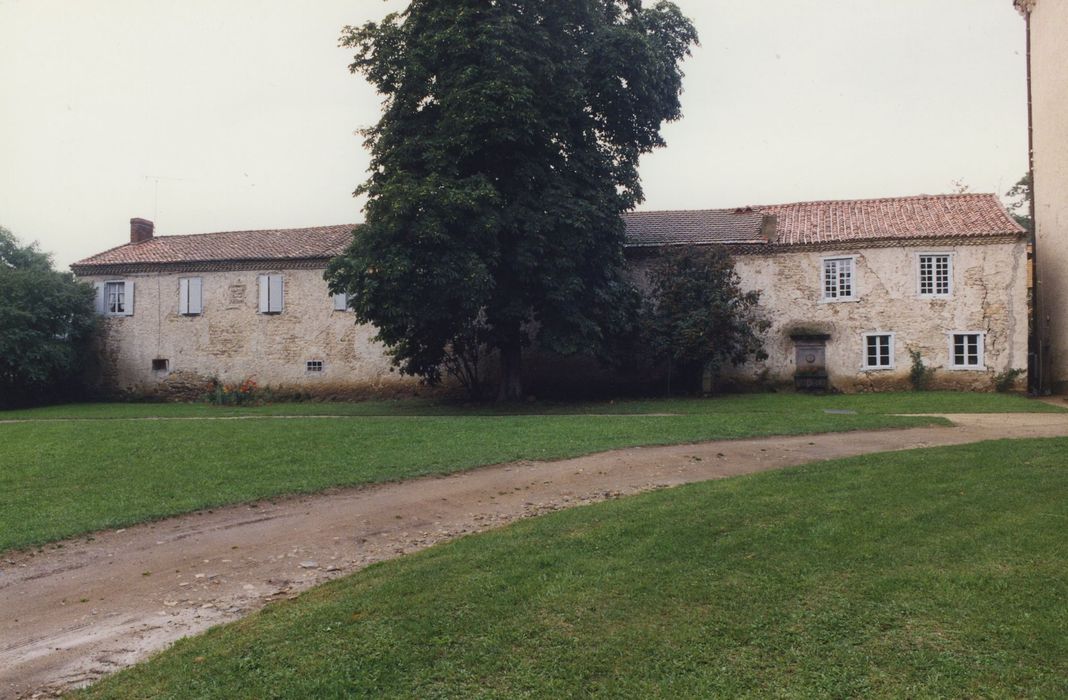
(88, 607)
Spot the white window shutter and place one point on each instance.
(341, 302)
(129, 294)
(277, 294)
(196, 295)
(183, 296)
(264, 295)
(99, 297)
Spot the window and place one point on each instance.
(272, 293)
(160, 365)
(341, 302)
(115, 298)
(936, 275)
(190, 296)
(314, 366)
(838, 279)
(966, 351)
(878, 351)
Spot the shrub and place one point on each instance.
(1005, 381)
(920, 375)
(247, 393)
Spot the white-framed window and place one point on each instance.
(341, 301)
(190, 296)
(115, 298)
(839, 280)
(966, 350)
(272, 294)
(935, 274)
(313, 366)
(878, 351)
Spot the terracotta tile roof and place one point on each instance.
(659, 228)
(966, 216)
(951, 216)
(320, 242)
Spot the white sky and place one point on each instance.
(211, 116)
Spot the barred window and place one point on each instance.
(314, 366)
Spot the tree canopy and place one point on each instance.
(507, 151)
(1019, 207)
(46, 317)
(697, 318)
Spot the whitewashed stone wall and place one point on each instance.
(232, 341)
(989, 295)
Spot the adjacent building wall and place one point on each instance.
(1049, 111)
(230, 340)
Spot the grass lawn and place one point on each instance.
(931, 573)
(882, 403)
(60, 478)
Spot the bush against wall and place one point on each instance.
(46, 320)
(697, 318)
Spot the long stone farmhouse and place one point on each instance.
(852, 288)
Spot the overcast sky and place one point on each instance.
(209, 115)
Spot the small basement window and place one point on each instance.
(314, 366)
(160, 365)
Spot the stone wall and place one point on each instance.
(989, 296)
(1049, 58)
(232, 341)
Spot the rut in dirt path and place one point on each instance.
(88, 608)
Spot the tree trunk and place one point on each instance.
(511, 388)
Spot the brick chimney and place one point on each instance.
(141, 230)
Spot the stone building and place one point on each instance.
(1047, 41)
(851, 287)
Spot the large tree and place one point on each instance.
(46, 318)
(506, 154)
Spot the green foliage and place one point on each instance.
(697, 316)
(936, 573)
(506, 154)
(1004, 382)
(920, 375)
(46, 319)
(1020, 203)
(245, 393)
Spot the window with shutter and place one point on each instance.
(272, 292)
(190, 296)
(115, 298)
(341, 302)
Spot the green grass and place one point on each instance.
(64, 478)
(882, 403)
(931, 573)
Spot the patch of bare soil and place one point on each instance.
(89, 606)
